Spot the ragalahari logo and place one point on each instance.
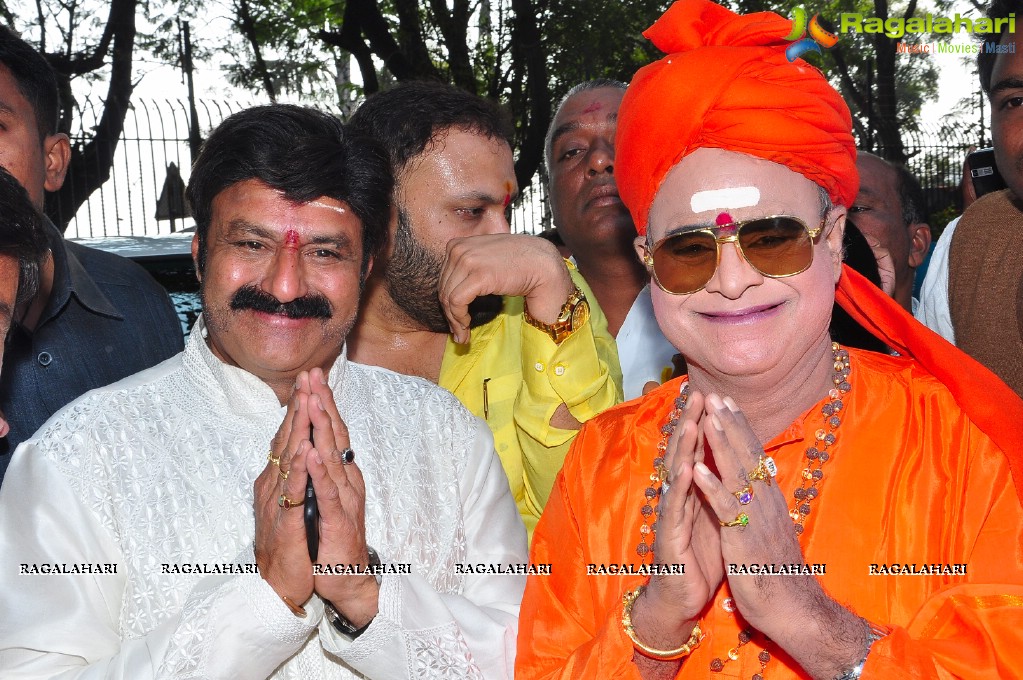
(808, 37)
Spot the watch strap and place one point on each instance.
(338, 620)
(564, 325)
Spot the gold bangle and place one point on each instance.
(661, 655)
(295, 609)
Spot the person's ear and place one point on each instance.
(57, 153)
(195, 256)
(919, 243)
(639, 243)
(834, 229)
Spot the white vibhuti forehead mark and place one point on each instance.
(724, 199)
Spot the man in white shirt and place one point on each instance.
(598, 230)
(148, 535)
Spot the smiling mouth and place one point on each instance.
(742, 316)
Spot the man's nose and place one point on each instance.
(285, 278)
(498, 224)
(601, 157)
(734, 275)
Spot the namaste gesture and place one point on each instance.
(312, 442)
(706, 524)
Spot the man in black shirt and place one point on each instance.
(96, 317)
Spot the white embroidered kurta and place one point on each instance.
(158, 470)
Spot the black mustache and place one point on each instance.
(308, 307)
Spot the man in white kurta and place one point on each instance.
(128, 536)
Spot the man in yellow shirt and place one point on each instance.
(501, 320)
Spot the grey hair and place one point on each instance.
(595, 84)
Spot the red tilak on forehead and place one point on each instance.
(507, 200)
(595, 106)
(722, 219)
(507, 193)
(291, 238)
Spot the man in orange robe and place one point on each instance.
(916, 524)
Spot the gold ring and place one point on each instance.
(764, 471)
(270, 457)
(287, 503)
(284, 474)
(744, 495)
(740, 521)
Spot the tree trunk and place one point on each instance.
(91, 163)
(536, 112)
(363, 18)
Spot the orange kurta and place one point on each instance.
(910, 480)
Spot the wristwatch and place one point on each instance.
(338, 620)
(574, 313)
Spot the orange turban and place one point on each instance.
(727, 84)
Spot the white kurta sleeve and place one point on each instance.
(69, 625)
(419, 632)
(933, 310)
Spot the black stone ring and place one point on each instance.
(347, 456)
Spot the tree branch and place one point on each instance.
(846, 78)
(72, 65)
(247, 27)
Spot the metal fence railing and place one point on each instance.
(935, 157)
(155, 137)
(156, 132)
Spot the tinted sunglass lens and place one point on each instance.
(685, 262)
(776, 246)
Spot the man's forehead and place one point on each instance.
(711, 181)
(1008, 65)
(599, 103)
(471, 161)
(251, 203)
(711, 169)
(877, 177)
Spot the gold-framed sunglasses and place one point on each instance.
(776, 246)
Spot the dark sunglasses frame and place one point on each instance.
(735, 228)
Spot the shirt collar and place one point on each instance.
(244, 392)
(70, 277)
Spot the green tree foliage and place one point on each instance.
(525, 53)
(884, 90)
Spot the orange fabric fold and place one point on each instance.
(912, 480)
(994, 407)
(726, 83)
